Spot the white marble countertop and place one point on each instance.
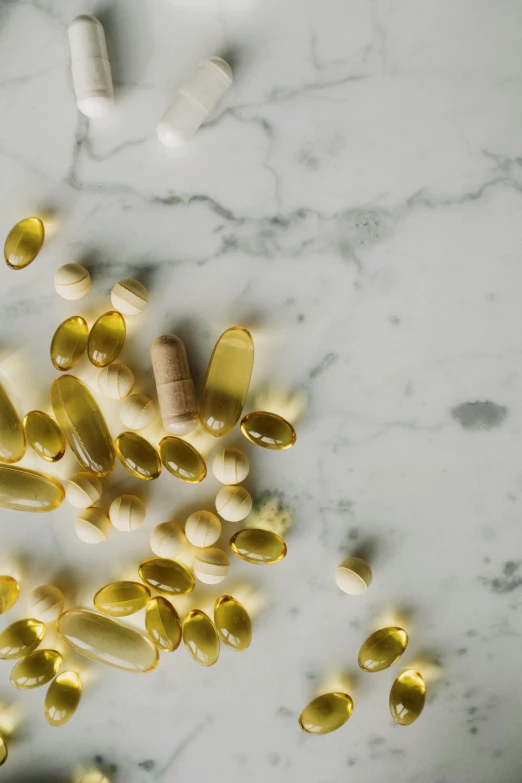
(355, 201)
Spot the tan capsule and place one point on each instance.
(166, 576)
(382, 649)
(21, 638)
(127, 513)
(106, 338)
(129, 297)
(107, 641)
(44, 436)
(138, 456)
(12, 437)
(46, 603)
(9, 592)
(72, 281)
(63, 698)
(233, 503)
(174, 385)
(92, 525)
(407, 697)
(211, 565)
(268, 430)
(182, 460)
(83, 490)
(3, 750)
(258, 546)
(69, 343)
(137, 412)
(120, 599)
(26, 490)
(353, 575)
(167, 540)
(233, 623)
(326, 713)
(24, 242)
(202, 528)
(231, 466)
(37, 669)
(200, 638)
(115, 381)
(162, 624)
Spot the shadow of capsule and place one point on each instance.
(32, 777)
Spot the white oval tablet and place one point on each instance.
(127, 513)
(202, 528)
(233, 503)
(92, 525)
(353, 576)
(45, 603)
(211, 565)
(230, 466)
(83, 490)
(167, 540)
(115, 381)
(137, 411)
(129, 297)
(72, 281)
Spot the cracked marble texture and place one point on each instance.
(355, 200)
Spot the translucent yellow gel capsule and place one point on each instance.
(24, 242)
(326, 713)
(182, 460)
(258, 546)
(162, 624)
(9, 592)
(21, 638)
(36, 669)
(382, 649)
(268, 430)
(200, 638)
(138, 456)
(407, 697)
(120, 599)
(69, 343)
(106, 339)
(3, 750)
(63, 698)
(227, 381)
(12, 438)
(26, 490)
(83, 425)
(44, 436)
(166, 576)
(232, 623)
(107, 641)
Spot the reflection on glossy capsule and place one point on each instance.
(27, 490)
(138, 456)
(200, 638)
(44, 436)
(162, 624)
(9, 592)
(268, 430)
(69, 343)
(106, 339)
(258, 546)
(21, 638)
(326, 713)
(407, 697)
(166, 576)
(232, 623)
(382, 649)
(182, 460)
(12, 437)
(24, 242)
(120, 599)
(62, 699)
(36, 669)
(3, 750)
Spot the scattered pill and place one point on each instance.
(182, 460)
(166, 576)
(167, 540)
(21, 638)
(24, 242)
(46, 603)
(92, 525)
(353, 576)
(129, 297)
(137, 412)
(200, 638)
(382, 649)
(26, 490)
(106, 338)
(231, 466)
(12, 436)
(211, 565)
(115, 381)
(69, 343)
(233, 623)
(120, 599)
(233, 503)
(127, 513)
(138, 456)
(407, 697)
(162, 624)
(91, 69)
(72, 281)
(83, 490)
(44, 436)
(326, 713)
(9, 592)
(37, 669)
(174, 385)
(202, 528)
(268, 430)
(62, 699)
(258, 546)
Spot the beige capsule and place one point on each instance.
(72, 281)
(137, 412)
(92, 525)
(202, 528)
(211, 565)
(233, 503)
(63, 698)
(129, 297)
(200, 638)
(167, 540)
(127, 513)
(230, 466)
(174, 385)
(46, 603)
(37, 669)
(83, 490)
(115, 381)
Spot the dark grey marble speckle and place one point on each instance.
(273, 759)
(148, 764)
(509, 580)
(479, 415)
(327, 361)
(284, 712)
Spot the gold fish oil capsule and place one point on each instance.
(106, 339)
(9, 592)
(227, 381)
(382, 649)
(268, 430)
(44, 436)
(166, 576)
(326, 713)
(407, 697)
(162, 624)
(24, 242)
(27, 490)
(12, 437)
(63, 698)
(38, 668)
(182, 460)
(69, 343)
(200, 638)
(105, 640)
(3, 750)
(258, 546)
(21, 638)
(233, 624)
(119, 599)
(138, 456)
(174, 385)
(83, 425)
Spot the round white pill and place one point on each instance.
(167, 540)
(230, 466)
(83, 490)
(202, 528)
(127, 513)
(129, 297)
(137, 411)
(92, 525)
(72, 281)
(115, 381)
(233, 503)
(45, 603)
(211, 565)
(353, 576)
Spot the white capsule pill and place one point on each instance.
(91, 69)
(211, 565)
(45, 603)
(72, 281)
(194, 101)
(233, 503)
(83, 490)
(353, 576)
(202, 528)
(137, 412)
(92, 525)
(167, 540)
(115, 381)
(231, 466)
(129, 297)
(127, 513)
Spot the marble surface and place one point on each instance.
(356, 202)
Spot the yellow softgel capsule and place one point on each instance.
(24, 242)
(36, 669)
(166, 576)
(138, 456)
(182, 460)
(26, 490)
(106, 339)
(407, 697)
(44, 436)
(382, 649)
(9, 592)
(162, 624)
(12, 437)
(268, 430)
(21, 638)
(105, 640)
(3, 750)
(227, 381)
(119, 599)
(326, 713)
(258, 546)
(63, 698)
(200, 638)
(69, 343)
(233, 623)
(83, 425)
